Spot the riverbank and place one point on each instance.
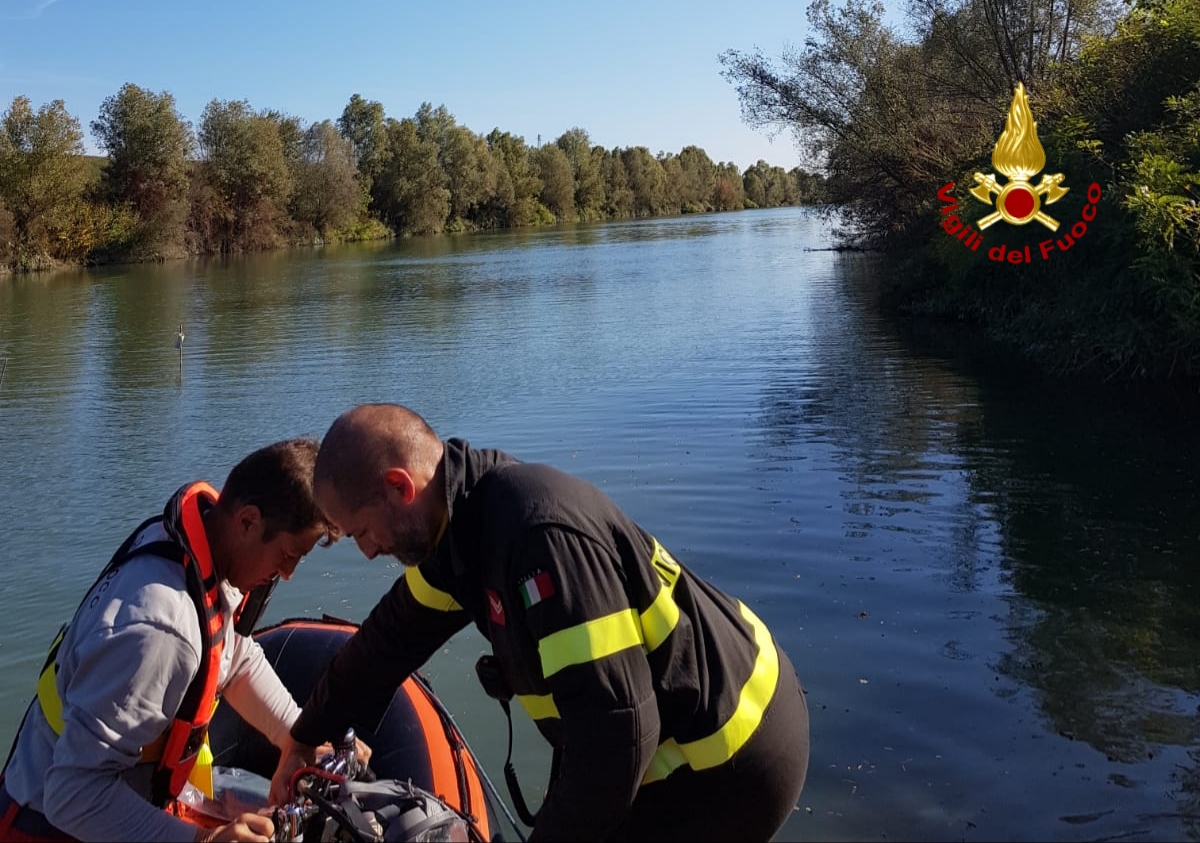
(369, 231)
(1118, 310)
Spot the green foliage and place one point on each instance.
(248, 179)
(327, 197)
(361, 123)
(769, 187)
(518, 184)
(249, 165)
(558, 182)
(589, 196)
(148, 147)
(42, 176)
(471, 171)
(363, 228)
(412, 193)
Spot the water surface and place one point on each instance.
(989, 589)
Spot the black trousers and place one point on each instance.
(748, 798)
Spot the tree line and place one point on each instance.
(247, 180)
(1115, 90)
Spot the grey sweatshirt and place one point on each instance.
(126, 661)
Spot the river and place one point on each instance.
(988, 587)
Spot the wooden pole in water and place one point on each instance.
(179, 344)
(3, 369)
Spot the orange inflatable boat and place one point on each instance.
(417, 748)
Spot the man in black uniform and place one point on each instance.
(673, 714)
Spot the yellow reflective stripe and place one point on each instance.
(667, 759)
(47, 692)
(427, 595)
(659, 620)
(587, 642)
(538, 706)
(720, 746)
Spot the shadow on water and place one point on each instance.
(1078, 513)
(1098, 498)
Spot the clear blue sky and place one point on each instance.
(629, 73)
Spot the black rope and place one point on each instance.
(510, 775)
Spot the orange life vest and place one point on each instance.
(188, 732)
(176, 751)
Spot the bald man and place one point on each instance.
(673, 713)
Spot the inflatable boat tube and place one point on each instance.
(415, 740)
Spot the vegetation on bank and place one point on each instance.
(1115, 90)
(249, 180)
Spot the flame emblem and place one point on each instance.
(1019, 156)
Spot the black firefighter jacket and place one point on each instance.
(630, 665)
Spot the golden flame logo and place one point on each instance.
(1019, 156)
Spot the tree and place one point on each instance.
(728, 188)
(434, 124)
(246, 164)
(585, 173)
(362, 124)
(616, 185)
(412, 187)
(558, 183)
(672, 171)
(470, 170)
(517, 164)
(697, 179)
(889, 120)
(148, 146)
(328, 194)
(42, 174)
(646, 180)
(978, 50)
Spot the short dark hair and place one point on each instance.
(278, 479)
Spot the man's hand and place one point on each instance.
(361, 751)
(247, 827)
(292, 757)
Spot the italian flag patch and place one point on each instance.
(536, 588)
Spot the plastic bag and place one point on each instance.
(235, 792)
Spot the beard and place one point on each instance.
(412, 544)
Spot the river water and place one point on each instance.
(989, 588)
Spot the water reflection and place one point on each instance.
(1077, 537)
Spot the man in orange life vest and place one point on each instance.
(119, 721)
(673, 713)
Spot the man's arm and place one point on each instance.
(589, 643)
(257, 693)
(125, 680)
(404, 629)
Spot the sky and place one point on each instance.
(629, 73)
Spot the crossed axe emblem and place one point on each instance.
(1018, 202)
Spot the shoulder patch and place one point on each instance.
(535, 587)
(495, 607)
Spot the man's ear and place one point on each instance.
(401, 481)
(248, 520)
